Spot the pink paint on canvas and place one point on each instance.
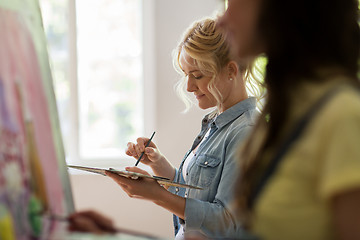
(26, 133)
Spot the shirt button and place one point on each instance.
(176, 189)
(206, 163)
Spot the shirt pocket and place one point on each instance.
(204, 170)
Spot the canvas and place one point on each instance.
(33, 177)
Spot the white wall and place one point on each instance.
(175, 131)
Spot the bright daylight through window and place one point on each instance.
(96, 56)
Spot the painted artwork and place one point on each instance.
(33, 177)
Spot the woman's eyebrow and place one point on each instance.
(194, 71)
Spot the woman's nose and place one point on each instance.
(191, 85)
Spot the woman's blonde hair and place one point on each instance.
(205, 43)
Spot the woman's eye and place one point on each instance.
(198, 77)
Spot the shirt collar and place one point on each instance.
(231, 113)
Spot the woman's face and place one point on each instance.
(240, 24)
(197, 82)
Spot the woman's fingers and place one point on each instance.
(131, 149)
(91, 221)
(141, 188)
(102, 221)
(152, 153)
(135, 150)
(138, 151)
(82, 224)
(123, 182)
(141, 144)
(137, 170)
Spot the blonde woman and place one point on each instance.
(217, 81)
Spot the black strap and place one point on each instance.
(294, 135)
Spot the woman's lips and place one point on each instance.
(199, 96)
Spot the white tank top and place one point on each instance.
(190, 157)
(188, 160)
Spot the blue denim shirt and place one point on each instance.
(214, 168)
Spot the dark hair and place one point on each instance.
(299, 40)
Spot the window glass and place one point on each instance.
(109, 73)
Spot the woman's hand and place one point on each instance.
(149, 189)
(152, 157)
(142, 188)
(346, 212)
(91, 222)
(152, 154)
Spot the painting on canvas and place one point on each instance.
(33, 176)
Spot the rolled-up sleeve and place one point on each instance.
(172, 189)
(177, 190)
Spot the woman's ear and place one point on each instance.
(233, 69)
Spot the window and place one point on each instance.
(96, 55)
